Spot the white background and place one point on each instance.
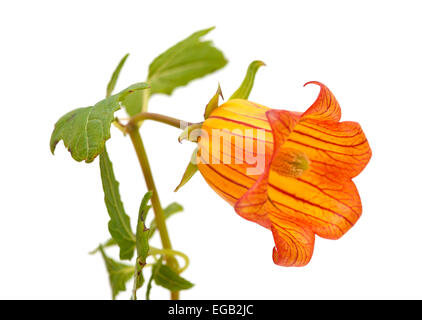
(57, 56)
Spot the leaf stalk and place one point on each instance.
(174, 122)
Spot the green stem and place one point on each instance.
(177, 123)
(155, 200)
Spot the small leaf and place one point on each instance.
(133, 103)
(142, 232)
(170, 210)
(164, 276)
(142, 245)
(115, 76)
(247, 84)
(190, 170)
(191, 133)
(85, 130)
(118, 273)
(109, 243)
(189, 59)
(119, 224)
(213, 104)
(138, 277)
(154, 270)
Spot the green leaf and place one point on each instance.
(213, 104)
(118, 273)
(136, 102)
(189, 59)
(133, 103)
(142, 245)
(109, 243)
(191, 133)
(164, 276)
(247, 84)
(191, 169)
(170, 210)
(154, 270)
(139, 277)
(115, 76)
(119, 224)
(85, 130)
(142, 232)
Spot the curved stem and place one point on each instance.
(177, 123)
(170, 252)
(155, 200)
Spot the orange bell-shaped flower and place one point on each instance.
(290, 172)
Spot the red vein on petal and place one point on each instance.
(221, 190)
(238, 122)
(325, 150)
(330, 142)
(327, 133)
(307, 214)
(225, 177)
(328, 195)
(310, 203)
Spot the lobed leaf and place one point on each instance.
(187, 60)
(118, 273)
(85, 130)
(119, 224)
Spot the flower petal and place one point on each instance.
(239, 119)
(318, 199)
(337, 148)
(294, 243)
(328, 207)
(325, 106)
(324, 198)
(251, 205)
(226, 182)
